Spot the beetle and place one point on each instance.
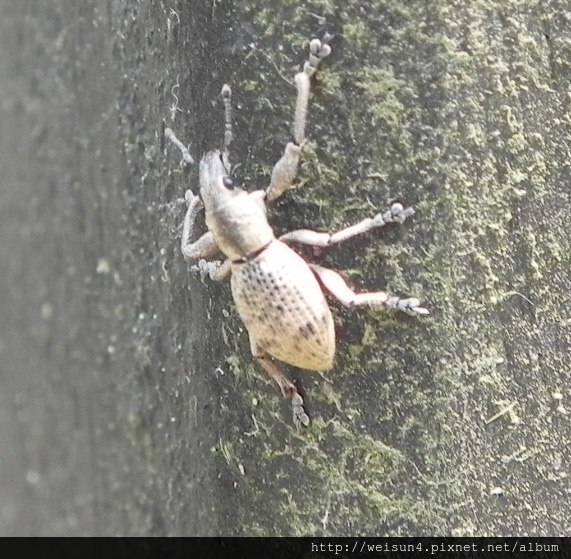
(279, 296)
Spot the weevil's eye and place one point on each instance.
(228, 182)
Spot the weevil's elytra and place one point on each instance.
(278, 295)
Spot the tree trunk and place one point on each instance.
(130, 400)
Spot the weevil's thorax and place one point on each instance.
(236, 219)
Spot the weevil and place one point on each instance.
(279, 296)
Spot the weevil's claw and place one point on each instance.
(205, 268)
(400, 213)
(300, 418)
(410, 306)
(396, 214)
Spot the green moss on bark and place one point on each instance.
(452, 109)
(459, 110)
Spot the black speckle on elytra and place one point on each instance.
(265, 343)
(307, 329)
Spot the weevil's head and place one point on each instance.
(236, 218)
(217, 185)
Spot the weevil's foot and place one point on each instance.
(410, 306)
(396, 214)
(205, 268)
(318, 50)
(300, 418)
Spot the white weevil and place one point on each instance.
(278, 294)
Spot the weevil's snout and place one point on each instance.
(216, 183)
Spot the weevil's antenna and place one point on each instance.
(226, 93)
(170, 135)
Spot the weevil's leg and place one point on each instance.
(318, 50)
(284, 172)
(336, 285)
(286, 168)
(397, 214)
(300, 417)
(170, 135)
(216, 270)
(203, 247)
